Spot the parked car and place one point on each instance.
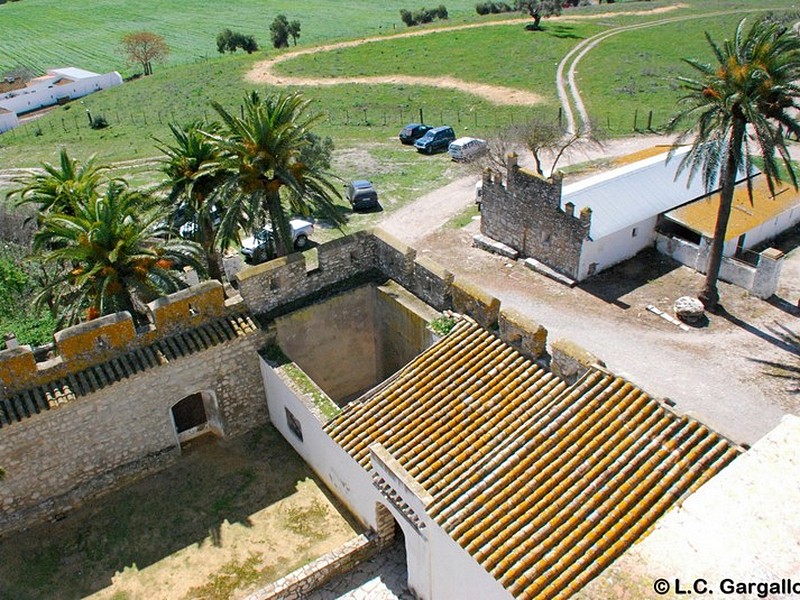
(436, 140)
(260, 246)
(412, 132)
(361, 195)
(467, 148)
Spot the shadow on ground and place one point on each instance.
(215, 480)
(619, 281)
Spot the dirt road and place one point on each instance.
(720, 372)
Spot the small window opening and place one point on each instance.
(294, 424)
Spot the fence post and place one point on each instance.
(635, 118)
(366, 121)
(347, 117)
(421, 117)
(650, 121)
(476, 118)
(560, 115)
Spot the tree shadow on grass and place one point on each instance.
(215, 481)
(564, 32)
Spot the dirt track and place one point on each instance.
(263, 72)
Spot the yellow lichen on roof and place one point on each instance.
(746, 214)
(544, 484)
(629, 159)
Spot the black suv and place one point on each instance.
(436, 140)
(362, 195)
(412, 132)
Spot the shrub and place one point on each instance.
(230, 41)
(423, 15)
(98, 122)
(484, 8)
(407, 17)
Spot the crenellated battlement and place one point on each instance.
(525, 213)
(102, 340)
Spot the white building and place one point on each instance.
(8, 120)
(504, 480)
(56, 87)
(593, 224)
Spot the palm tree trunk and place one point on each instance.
(281, 231)
(212, 257)
(710, 296)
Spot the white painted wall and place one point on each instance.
(438, 568)
(681, 250)
(8, 120)
(47, 93)
(770, 229)
(343, 475)
(617, 247)
(456, 575)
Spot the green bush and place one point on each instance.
(423, 15)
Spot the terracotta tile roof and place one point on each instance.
(37, 399)
(543, 483)
(701, 216)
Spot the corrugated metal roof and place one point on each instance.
(701, 216)
(544, 484)
(622, 197)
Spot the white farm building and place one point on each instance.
(57, 86)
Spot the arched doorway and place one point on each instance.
(195, 415)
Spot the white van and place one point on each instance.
(467, 148)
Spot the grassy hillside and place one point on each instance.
(43, 33)
(629, 74)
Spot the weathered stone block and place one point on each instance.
(569, 361)
(524, 334)
(471, 300)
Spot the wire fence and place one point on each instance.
(640, 120)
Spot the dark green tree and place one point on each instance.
(279, 32)
(117, 254)
(194, 180)
(539, 9)
(59, 186)
(294, 31)
(736, 108)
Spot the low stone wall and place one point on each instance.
(299, 583)
(762, 279)
(100, 413)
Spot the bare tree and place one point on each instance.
(545, 140)
(144, 48)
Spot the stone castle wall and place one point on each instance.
(99, 413)
(525, 213)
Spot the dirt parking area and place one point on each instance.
(229, 517)
(739, 372)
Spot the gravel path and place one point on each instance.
(713, 372)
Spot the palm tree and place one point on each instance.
(116, 254)
(60, 185)
(194, 177)
(262, 151)
(739, 108)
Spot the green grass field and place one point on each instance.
(630, 73)
(43, 33)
